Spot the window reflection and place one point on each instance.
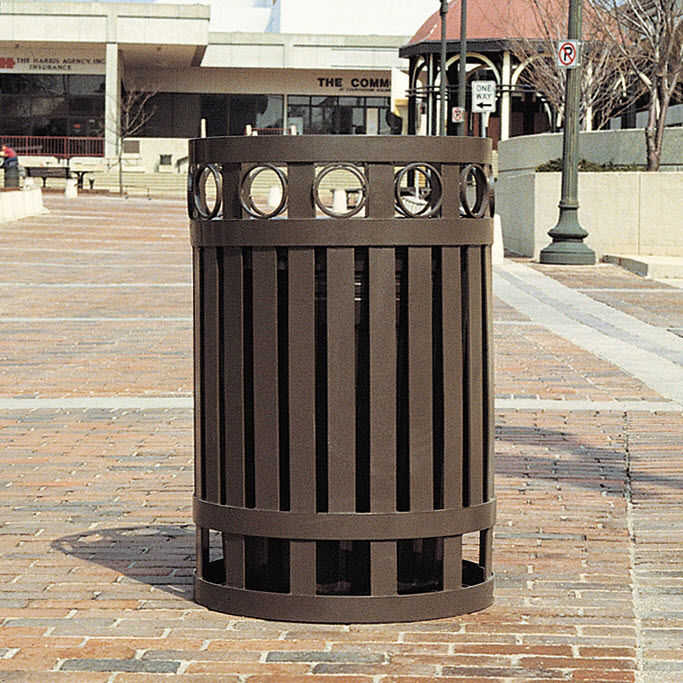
(338, 115)
(52, 104)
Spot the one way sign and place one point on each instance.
(483, 96)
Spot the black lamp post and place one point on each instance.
(567, 247)
(462, 71)
(444, 96)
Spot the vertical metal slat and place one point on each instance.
(382, 293)
(201, 535)
(451, 297)
(341, 380)
(450, 205)
(266, 460)
(232, 176)
(452, 564)
(476, 377)
(420, 377)
(301, 343)
(487, 360)
(453, 377)
(233, 402)
(197, 312)
(300, 181)
(486, 551)
(211, 379)
(380, 200)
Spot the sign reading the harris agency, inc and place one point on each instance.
(23, 62)
(353, 83)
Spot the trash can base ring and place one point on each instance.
(342, 608)
(343, 526)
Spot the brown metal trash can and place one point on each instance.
(343, 382)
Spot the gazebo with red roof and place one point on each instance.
(493, 26)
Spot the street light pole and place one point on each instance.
(462, 71)
(567, 247)
(444, 84)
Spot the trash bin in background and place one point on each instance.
(343, 381)
(12, 176)
(9, 163)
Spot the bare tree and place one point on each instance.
(649, 36)
(604, 82)
(135, 110)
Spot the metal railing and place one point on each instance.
(60, 147)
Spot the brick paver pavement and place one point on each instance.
(96, 540)
(654, 302)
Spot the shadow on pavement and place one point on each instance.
(162, 556)
(585, 465)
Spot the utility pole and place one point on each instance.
(567, 247)
(462, 71)
(444, 79)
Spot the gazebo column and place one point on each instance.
(432, 104)
(506, 97)
(413, 123)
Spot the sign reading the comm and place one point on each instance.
(355, 83)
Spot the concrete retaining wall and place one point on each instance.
(523, 154)
(17, 204)
(624, 213)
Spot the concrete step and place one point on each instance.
(656, 267)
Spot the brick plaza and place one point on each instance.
(96, 536)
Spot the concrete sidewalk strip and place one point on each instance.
(593, 406)
(596, 314)
(186, 403)
(99, 403)
(94, 285)
(640, 349)
(94, 319)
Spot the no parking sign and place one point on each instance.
(568, 54)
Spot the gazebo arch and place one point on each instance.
(485, 60)
(487, 45)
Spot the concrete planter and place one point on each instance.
(20, 204)
(624, 213)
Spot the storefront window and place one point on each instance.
(178, 115)
(50, 127)
(271, 116)
(160, 117)
(13, 106)
(49, 107)
(52, 105)
(16, 126)
(86, 85)
(47, 85)
(186, 115)
(14, 84)
(338, 115)
(263, 112)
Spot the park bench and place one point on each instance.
(46, 172)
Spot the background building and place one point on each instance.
(323, 68)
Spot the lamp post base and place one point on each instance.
(567, 247)
(568, 253)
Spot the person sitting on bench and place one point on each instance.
(9, 158)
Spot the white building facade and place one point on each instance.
(263, 65)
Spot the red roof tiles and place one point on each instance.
(486, 19)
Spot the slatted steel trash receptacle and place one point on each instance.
(343, 383)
